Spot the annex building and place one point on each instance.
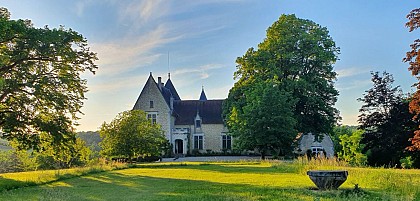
(189, 125)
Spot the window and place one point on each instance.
(152, 117)
(226, 142)
(198, 123)
(198, 142)
(151, 104)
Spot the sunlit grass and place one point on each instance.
(15, 180)
(274, 180)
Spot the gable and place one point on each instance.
(151, 92)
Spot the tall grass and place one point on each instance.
(16, 180)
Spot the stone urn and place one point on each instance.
(328, 179)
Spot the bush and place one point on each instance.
(406, 162)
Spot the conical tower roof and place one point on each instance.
(203, 95)
(171, 88)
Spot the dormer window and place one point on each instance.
(151, 104)
(198, 123)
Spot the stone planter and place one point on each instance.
(328, 179)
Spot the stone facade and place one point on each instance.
(149, 94)
(188, 124)
(308, 143)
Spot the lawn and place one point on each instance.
(221, 181)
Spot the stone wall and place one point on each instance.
(149, 93)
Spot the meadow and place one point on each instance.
(245, 180)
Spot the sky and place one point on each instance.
(202, 40)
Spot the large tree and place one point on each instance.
(40, 85)
(413, 58)
(131, 135)
(265, 122)
(387, 122)
(297, 55)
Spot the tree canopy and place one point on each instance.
(387, 122)
(131, 135)
(40, 85)
(413, 58)
(295, 62)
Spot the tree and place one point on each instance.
(297, 55)
(265, 122)
(413, 58)
(131, 135)
(351, 151)
(41, 90)
(338, 131)
(387, 122)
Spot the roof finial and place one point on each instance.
(169, 76)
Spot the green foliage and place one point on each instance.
(352, 148)
(339, 131)
(48, 156)
(285, 86)
(92, 140)
(41, 88)
(53, 156)
(406, 162)
(258, 123)
(387, 122)
(131, 135)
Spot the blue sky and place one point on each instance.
(204, 38)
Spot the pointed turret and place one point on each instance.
(203, 95)
(171, 88)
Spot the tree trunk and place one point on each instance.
(262, 154)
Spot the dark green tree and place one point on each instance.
(131, 135)
(40, 85)
(265, 122)
(297, 55)
(387, 122)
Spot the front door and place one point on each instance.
(179, 146)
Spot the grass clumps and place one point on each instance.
(16, 180)
(245, 180)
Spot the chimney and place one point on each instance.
(160, 83)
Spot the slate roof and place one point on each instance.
(171, 88)
(166, 93)
(210, 111)
(203, 95)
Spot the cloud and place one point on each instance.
(348, 72)
(138, 13)
(117, 84)
(197, 73)
(354, 84)
(122, 55)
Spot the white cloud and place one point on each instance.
(139, 13)
(194, 74)
(132, 52)
(348, 72)
(355, 84)
(117, 84)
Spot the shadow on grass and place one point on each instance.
(228, 168)
(117, 186)
(9, 184)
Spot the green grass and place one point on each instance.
(220, 181)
